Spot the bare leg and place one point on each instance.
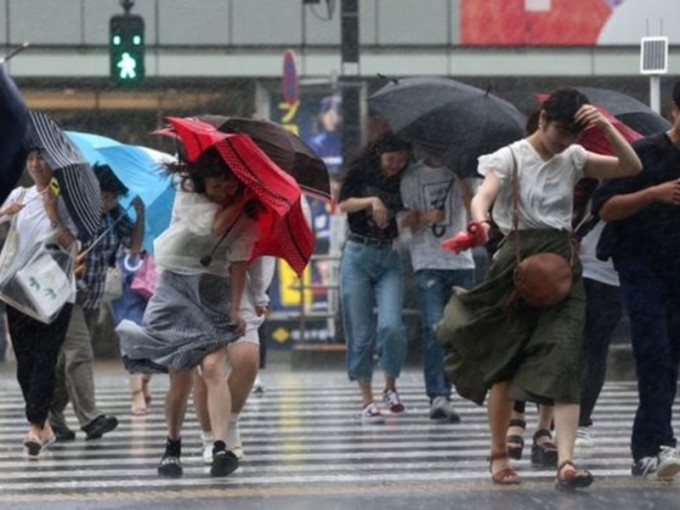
(138, 403)
(176, 402)
(390, 383)
(219, 398)
(366, 393)
(566, 424)
(499, 409)
(200, 395)
(545, 417)
(244, 360)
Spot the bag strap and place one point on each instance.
(515, 205)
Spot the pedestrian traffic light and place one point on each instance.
(126, 49)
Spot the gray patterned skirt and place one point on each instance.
(186, 319)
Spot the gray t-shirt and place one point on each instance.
(424, 188)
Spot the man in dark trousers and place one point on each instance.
(643, 238)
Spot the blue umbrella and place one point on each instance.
(140, 169)
(13, 121)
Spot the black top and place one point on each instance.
(365, 179)
(652, 234)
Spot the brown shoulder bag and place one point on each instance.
(544, 279)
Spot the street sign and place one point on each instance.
(290, 78)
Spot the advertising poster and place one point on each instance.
(306, 310)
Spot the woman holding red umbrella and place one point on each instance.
(195, 312)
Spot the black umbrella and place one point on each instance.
(13, 120)
(77, 183)
(633, 113)
(449, 119)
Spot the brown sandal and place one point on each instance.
(505, 476)
(576, 479)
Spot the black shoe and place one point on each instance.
(170, 467)
(63, 433)
(545, 453)
(224, 463)
(100, 426)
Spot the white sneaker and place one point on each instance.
(584, 438)
(234, 444)
(258, 388)
(669, 462)
(394, 403)
(207, 446)
(442, 409)
(371, 414)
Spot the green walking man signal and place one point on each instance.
(126, 49)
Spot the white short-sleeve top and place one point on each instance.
(546, 187)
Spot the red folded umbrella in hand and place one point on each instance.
(474, 235)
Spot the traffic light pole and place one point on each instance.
(350, 83)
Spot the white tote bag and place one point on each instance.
(44, 283)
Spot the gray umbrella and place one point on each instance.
(449, 119)
(78, 184)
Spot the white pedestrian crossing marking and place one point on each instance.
(303, 431)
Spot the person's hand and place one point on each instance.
(239, 322)
(138, 205)
(379, 212)
(261, 310)
(476, 234)
(667, 192)
(409, 219)
(79, 266)
(11, 209)
(50, 204)
(589, 115)
(433, 216)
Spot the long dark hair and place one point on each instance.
(369, 158)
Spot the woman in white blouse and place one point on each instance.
(529, 353)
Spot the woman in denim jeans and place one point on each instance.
(371, 273)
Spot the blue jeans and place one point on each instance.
(434, 289)
(370, 276)
(652, 297)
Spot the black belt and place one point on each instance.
(369, 240)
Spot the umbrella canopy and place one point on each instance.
(283, 230)
(627, 109)
(449, 119)
(78, 185)
(13, 121)
(283, 147)
(141, 170)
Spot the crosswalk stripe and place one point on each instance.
(304, 432)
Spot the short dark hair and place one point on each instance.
(108, 182)
(562, 105)
(676, 93)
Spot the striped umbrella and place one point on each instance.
(78, 185)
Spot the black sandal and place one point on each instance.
(576, 479)
(515, 443)
(545, 453)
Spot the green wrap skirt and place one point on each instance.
(536, 349)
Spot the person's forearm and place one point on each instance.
(238, 284)
(225, 218)
(137, 235)
(629, 162)
(354, 204)
(620, 207)
(479, 207)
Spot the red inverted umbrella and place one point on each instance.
(283, 230)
